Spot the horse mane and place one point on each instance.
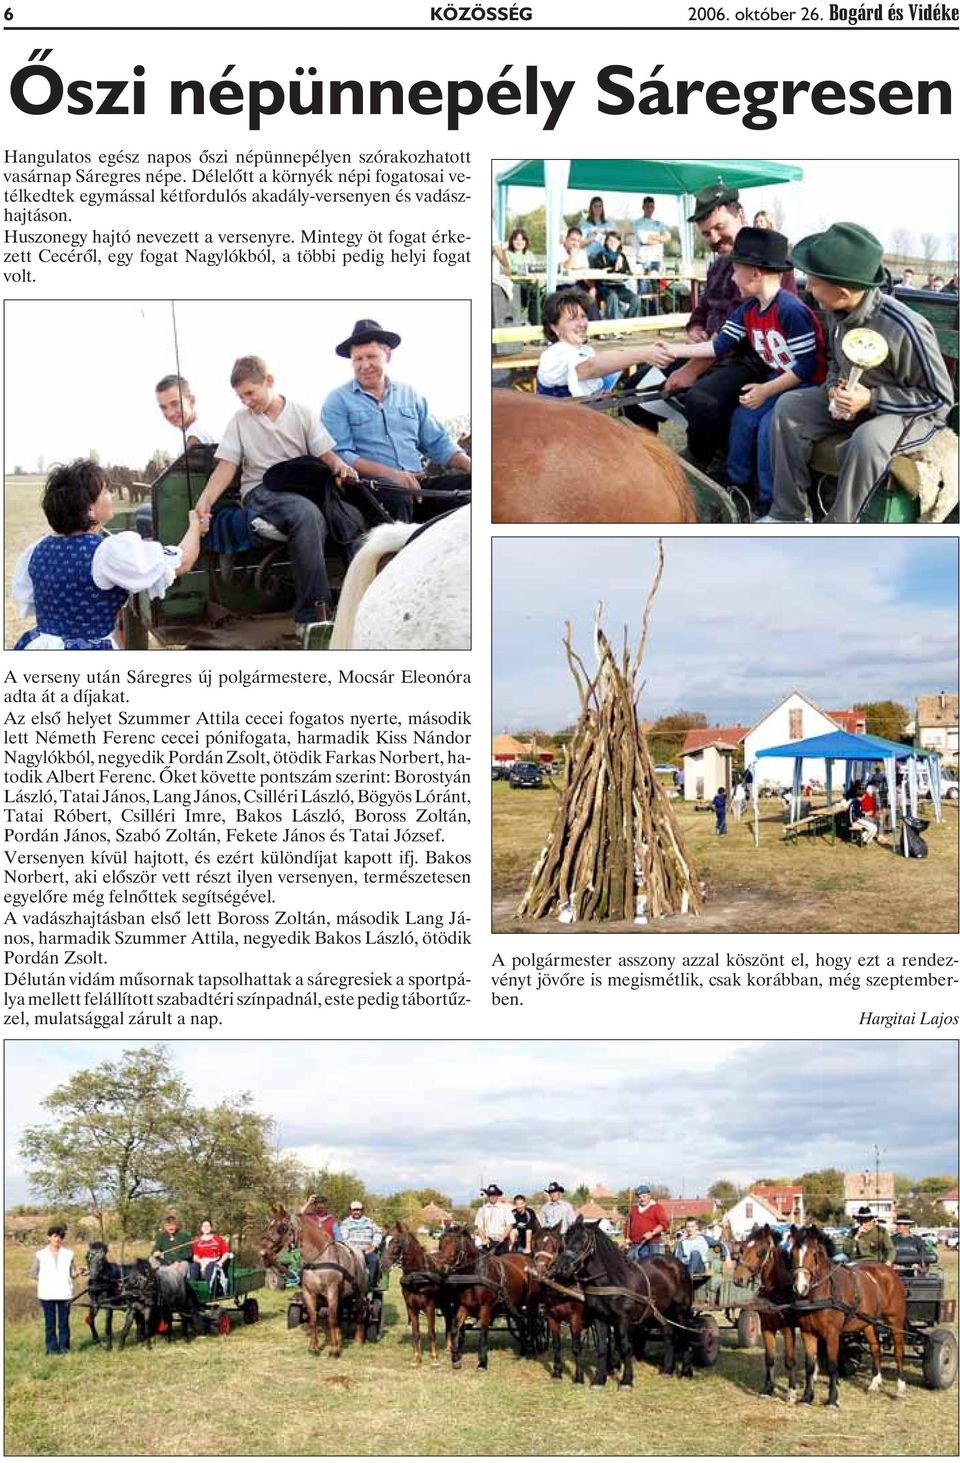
(614, 1260)
(813, 1234)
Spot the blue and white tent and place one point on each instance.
(859, 755)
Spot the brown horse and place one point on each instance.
(761, 1259)
(330, 1272)
(834, 1299)
(486, 1286)
(559, 1307)
(422, 1286)
(557, 462)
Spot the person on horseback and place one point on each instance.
(493, 1221)
(383, 428)
(359, 1230)
(869, 1240)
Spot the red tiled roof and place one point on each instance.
(782, 1197)
(708, 736)
(849, 721)
(681, 1208)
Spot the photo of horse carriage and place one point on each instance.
(152, 1298)
(930, 1314)
(239, 594)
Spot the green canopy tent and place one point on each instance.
(675, 177)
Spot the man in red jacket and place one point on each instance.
(647, 1223)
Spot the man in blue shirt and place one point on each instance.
(383, 428)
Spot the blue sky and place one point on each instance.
(738, 623)
(453, 1114)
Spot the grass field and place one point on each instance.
(258, 1391)
(810, 885)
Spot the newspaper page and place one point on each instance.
(351, 1108)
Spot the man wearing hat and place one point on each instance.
(897, 406)
(647, 1223)
(360, 1230)
(776, 333)
(557, 1209)
(869, 1240)
(383, 428)
(909, 1250)
(494, 1220)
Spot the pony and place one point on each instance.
(175, 1298)
(110, 1286)
(558, 1306)
(422, 1286)
(488, 1285)
(621, 1296)
(330, 1272)
(761, 1259)
(417, 599)
(556, 462)
(834, 1299)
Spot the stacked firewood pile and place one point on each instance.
(614, 851)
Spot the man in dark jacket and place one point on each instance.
(869, 1240)
(172, 1242)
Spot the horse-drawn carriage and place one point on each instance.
(225, 1300)
(354, 1308)
(927, 1334)
(239, 594)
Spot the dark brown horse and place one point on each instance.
(556, 462)
(422, 1286)
(761, 1259)
(559, 1306)
(330, 1272)
(486, 1286)
(622, 1297)
(835, 1298)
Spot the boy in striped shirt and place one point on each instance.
(782, 336)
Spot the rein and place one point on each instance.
(621, 1291)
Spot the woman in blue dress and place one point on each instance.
(77, 579)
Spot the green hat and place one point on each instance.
(710, 198)
(845, 254)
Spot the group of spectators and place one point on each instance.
(293, 463)
(761, 376)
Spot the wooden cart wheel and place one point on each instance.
(940, 1359)
(251, 1310)
(748, 1328)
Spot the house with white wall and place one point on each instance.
(936, 725)
(793, 719)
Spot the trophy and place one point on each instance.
(864, 349)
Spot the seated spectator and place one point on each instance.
(209, 1252)
(898, 405)
(762, 220)
(935, 283)
(693, 1248)
(907, 279)
(617, 300)
(779, 336)
(909, 1251)
(571, 367)
(866, 826)
(523, 261)
(576, 255)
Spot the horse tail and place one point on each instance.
(673, 477)
(386, 538)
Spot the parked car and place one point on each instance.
(665, 769)
(526, 774)
(949, 786)
(500, 774)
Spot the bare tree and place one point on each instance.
(952, 250)
(902, 243)
(929, 243)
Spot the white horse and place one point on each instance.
(421, 598)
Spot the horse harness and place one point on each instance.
(621, 1291)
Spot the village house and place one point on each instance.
(935, 726)
(794, 719)
(951, 1202)
(871, 1190)
(774, 1204)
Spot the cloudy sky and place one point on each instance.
(916, 194)
(736, 625)
(453, 1114)
(58, 407)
